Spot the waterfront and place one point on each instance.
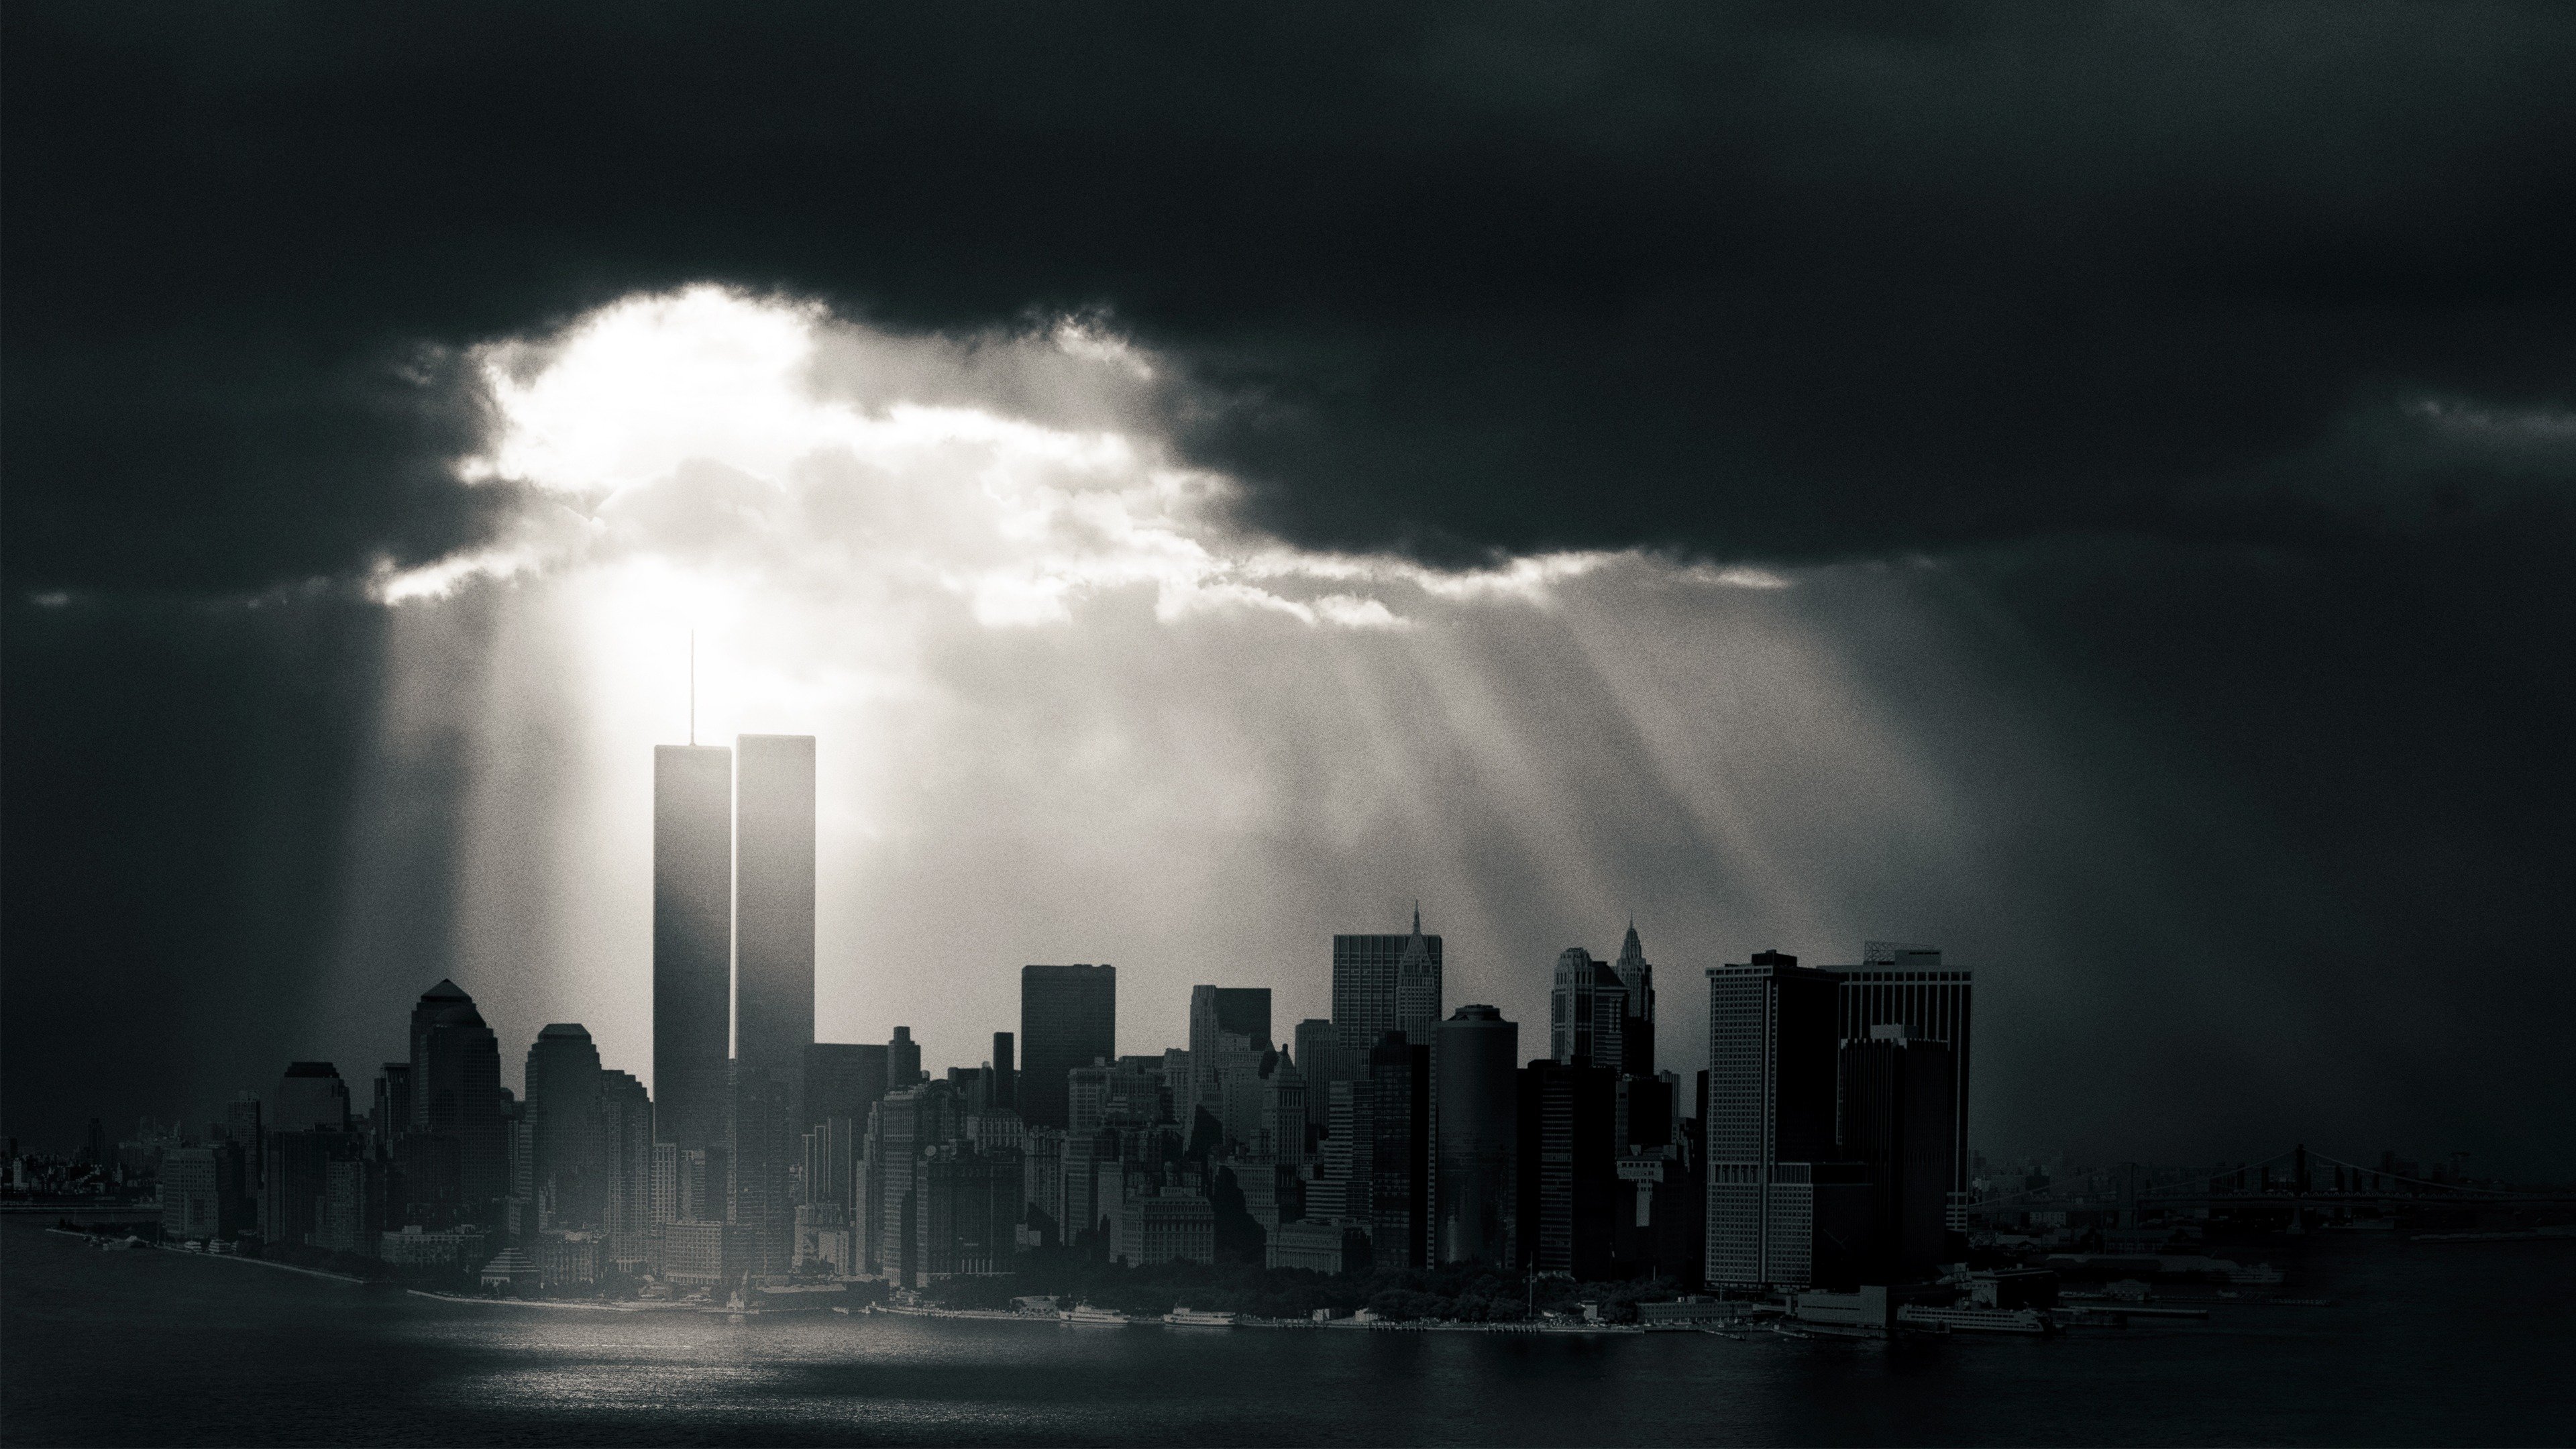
(2462, 1343)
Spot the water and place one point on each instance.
(2467, 1343)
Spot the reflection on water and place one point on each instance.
(137, 1348)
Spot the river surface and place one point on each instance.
(2427, 1344)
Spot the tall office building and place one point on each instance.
(625, 1149)
(763, 1145)
(458, 1089)
(1784, 1208)
(1569, 1168)
(774, 903)
(843, 1079)
(1068, 1019)
(1229, 1035)
(1907, 986)
(424, 1015)
(565, 1161)
(692, 941)
(1587, 1012)
(1637, 1031)
(1006, 1072)
(1895, 1120)
(310, 1098)
(1319, 1060)
(903, 1061)
(392, 1115)
(1383, 984)
(1401, 1193)
(1479, 1146)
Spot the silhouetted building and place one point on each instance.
(692, 1254)
(1400, 1161)
(1569, 1168)
(1907, 986)
(201, 1192)
(965, 1213)
(1479, 1141)
(906, 1122)
(1896, 1121)
(692, 940)
(1637, 1031)
(903, 1061)
(1319, 1057)
(763, 1144)
(1068, 1019)
(1587, 1012)
(1783, 1210)
(1229, 1033)
(626, 1149)
(299, 1182)
(392, 1115)
(567, 1165)
(774, 909)
(424, 1015)
(310, 1098)
(1006, 1072)
(246, 1125)
(843, 1079)
(1383, 984)
(461, 1090)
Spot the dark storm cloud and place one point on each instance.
(1751, 280)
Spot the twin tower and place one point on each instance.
(733, 925)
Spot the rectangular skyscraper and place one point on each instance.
(1908, 986)
(774, 902)
(692, 942)
(1383, 984)
(1782, 1208)
(1068, 1018)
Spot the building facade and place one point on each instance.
(692, 940)
(1068, 1019)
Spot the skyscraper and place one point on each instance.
(692, 940)
(1569, 1164)
(424, 1015)
(1895, 1120)
(774, 903)
(1383, 984)
(1587, 1012)
(1006, 1074)
(566, 1163)
(459, 1089)
(625, 1138)
(1637, 1031)
(1907, 986)
(843, 1079)
(763, 1144)
(1400, 1188)
(903, 1061)
(1229, 1034)
(1479, 1096)
(310, 1098)
(1783, 1208)
(1068, 1019)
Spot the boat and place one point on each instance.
(1185, 1316)
(1085, 1313)
(1974, 1320)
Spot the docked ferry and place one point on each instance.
(1085, 1313)
(1188, 1317)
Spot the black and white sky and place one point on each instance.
(2090, 487)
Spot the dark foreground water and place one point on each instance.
(2465, 1343)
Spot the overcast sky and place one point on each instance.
(2089, 488)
